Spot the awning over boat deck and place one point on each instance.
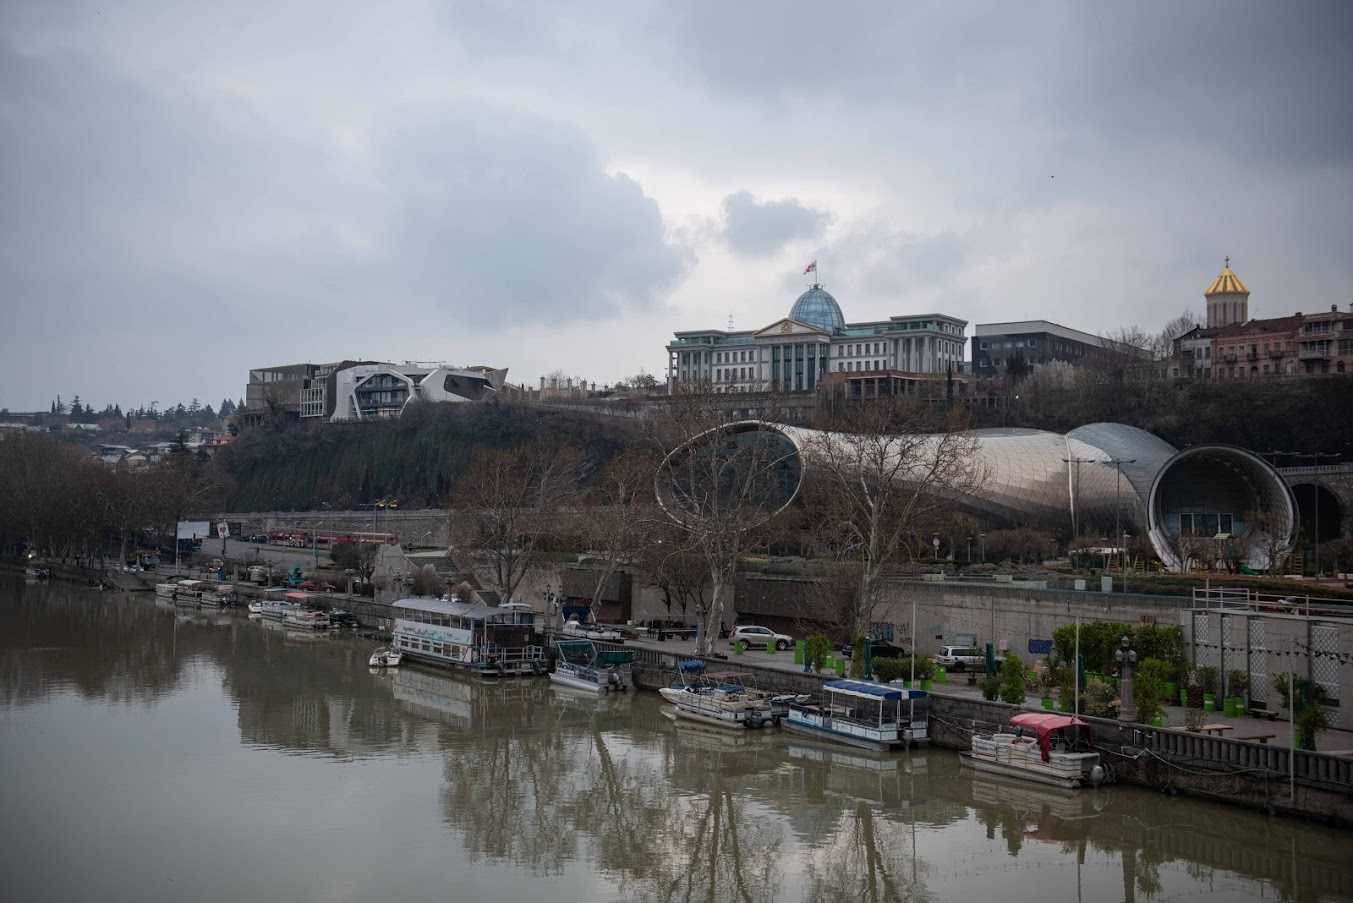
(865, 690)
(1045, 723)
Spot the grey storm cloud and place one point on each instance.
(754, 228)
(207, 187)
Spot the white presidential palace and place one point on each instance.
(795, 353)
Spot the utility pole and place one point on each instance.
(1076, 491)
(1118, 506)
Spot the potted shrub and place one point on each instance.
(1193, 711)
(1099, 699)
(991, 687)
(818, 650)
(1237, 686)
(925, 672)
(1210, 681)
(1149, 689)
(1312, 719)
(1012, 680)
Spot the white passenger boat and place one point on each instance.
(488, 640)
(581, 666)
(1044, 747)
(272, 609)
(863, 714)
(218, 594)
(718, 698)
(306, 619)
(384, 658)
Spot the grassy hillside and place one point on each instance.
(416, 459)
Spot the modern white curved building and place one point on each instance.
(366, 391)
(1068, 483)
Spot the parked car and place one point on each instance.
(878, 649)
(759, 636)
(340, 618)
(958, 658)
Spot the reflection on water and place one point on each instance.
(132, 730)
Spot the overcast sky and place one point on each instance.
(190, 189)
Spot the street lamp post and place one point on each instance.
(1118, 505)
(936, 544)
(982, 546)
(1076, 490)
(969, 550)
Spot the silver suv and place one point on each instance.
(956, 658)
(760, 636)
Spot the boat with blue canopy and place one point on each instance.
(863, 714)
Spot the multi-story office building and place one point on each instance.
(794, 353)
(360, 390)
(996, 347)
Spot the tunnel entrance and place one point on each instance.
(1318, 506)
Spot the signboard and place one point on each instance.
(194, 529)
(223, 530)
(1040, 647)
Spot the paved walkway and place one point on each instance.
(1241, 728)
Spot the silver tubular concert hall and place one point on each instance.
(1088, 480)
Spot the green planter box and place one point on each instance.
(941, 675)
(1158, 721)
(1172, 692)
(800, 650)
(1209, 702)
(840, 668)
(1066, 705)
(925, 685)
(1235, 706)
(1184, 696)
(1048, 703)
(739, 647)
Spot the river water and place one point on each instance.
(149, 754)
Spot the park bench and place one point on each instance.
(1215, 730)
(1258, 738)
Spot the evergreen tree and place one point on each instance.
(76, 409)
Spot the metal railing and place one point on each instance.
(1244, 599)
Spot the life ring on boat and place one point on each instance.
(755, 720)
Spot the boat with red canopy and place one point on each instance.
(1044, 747)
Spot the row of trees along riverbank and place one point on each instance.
(59, 502)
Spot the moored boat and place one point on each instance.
(493, 641)
(722, 699)
(1044, 747)
(306, 618)
(385, 658)
(272, 609)
(218, 594)
(166, 590)
(189, 592)
(863, 714)
(581, 666)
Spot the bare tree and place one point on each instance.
(509, 504)
(719, 483)
(1268, 533)
(1164, 343)
(620, 514)
(874, 479)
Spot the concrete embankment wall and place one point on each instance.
(1008, 615)
(1231, 771)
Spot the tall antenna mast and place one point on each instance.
(730, 321)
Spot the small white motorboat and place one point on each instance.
(385, 658)
(581, 666)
